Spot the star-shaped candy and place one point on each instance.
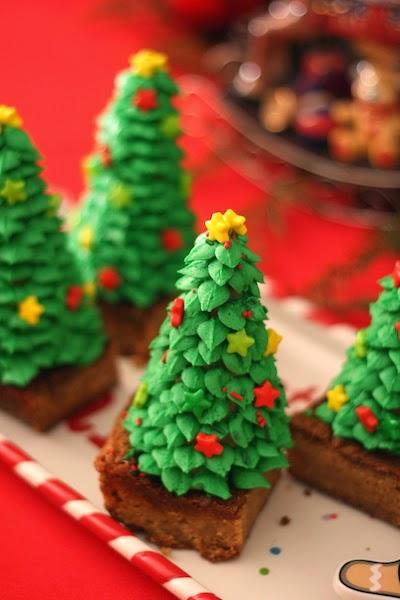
(86, 237)
(145, 99)
(195, 402)
(220, 226)
(367, 418)
(148, 62)
(120, 195)
(13, 191)
(30, 310)
(265, 395)
(171, 126)
(9, 116)
(360, 345)
(208, 444)
(141, 395)
(274, 339)
(239, 343)
(337, 397)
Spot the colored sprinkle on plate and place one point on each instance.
(263, 571)
(275, 550)
(330, 517)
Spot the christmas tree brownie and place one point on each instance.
(135, 227)
(53, 352)
(203, 442)
(354, 434)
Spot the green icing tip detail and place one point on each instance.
(360, 345)
(13, 191)
(141, 396)
(264, 571)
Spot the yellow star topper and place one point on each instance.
(337, 397)
(239, 343)
(220, 226)
(9, 116)
(274, 339)
(13, 191)
(147, 62)
(30, 310)
(86, 237)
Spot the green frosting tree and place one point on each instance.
(135, 227)
(46, 318)
(209, 412)
(363, 402)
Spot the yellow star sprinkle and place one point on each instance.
(337, 397)
(120, 195)
(13, 191)
(90, 289)
(274, 339)
(9, 116)
(30, 310)
(360, 346)
(147, 62)
(86, 237)
(239, 343)
(140, 398)
(221, 225)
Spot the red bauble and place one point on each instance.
(177, 312)
(172, 239)
(74, 297)
(109, 278)
(145, 99)
(208, 445)
(105, 155)
(265, 395)
(367, 418)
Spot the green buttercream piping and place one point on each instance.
(35, 261)
(371, 378)
(195, 386)
(145, 166)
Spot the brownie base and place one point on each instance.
(343, 469)
(56, 393)
(216, 528)
(132, 328)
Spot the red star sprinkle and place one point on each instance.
(227, 244)
(109, 278)
(172, 239)
(247, 314)
(261, 421)
(396, 274)
(208, 445)
(265, 395)
(74, 297)
(367, 418)
(105, 155)
(145, 100)
(177, 312)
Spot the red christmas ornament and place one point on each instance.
(396, 274)
(260, 419)
(265, 395)
(145, 100)
(172, 239)
(177, 312)
(105, 155)
(109, 278)
(367, 418)
(74, 297)
(208, 444)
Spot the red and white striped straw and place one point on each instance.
(121, 540)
